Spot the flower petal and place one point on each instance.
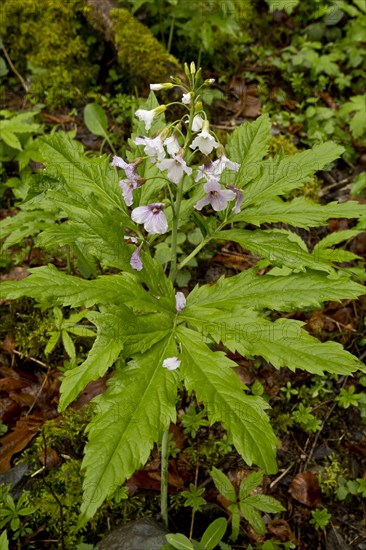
(136, 262)
(180, 301)
(171, 363)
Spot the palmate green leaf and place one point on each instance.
(264, 503)
(98, 234)
(253, 517)
(52, 287)
(284, 342)
(299, 212)
(280, 247)
(137, 407)
(249, 484)
(278, 177)
(25, 223)
(223, 484)
(308, 289)
(105, 351)
(65, 159)
(247, 145)
(211, 376)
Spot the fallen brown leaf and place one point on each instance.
(305, 489)
(14, 442)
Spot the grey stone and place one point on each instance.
(142, 534)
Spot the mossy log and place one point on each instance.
(140, 55)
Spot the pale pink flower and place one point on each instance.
(197, 123)
(153, 147)
(136, 262)
(127, 187)
(152, 216)
(171, 363)
(239, 198)
(176, 168)
(205, 142)
(186, 98)
(146, 116)
(172, 145)
(216, 196)
(180, 301)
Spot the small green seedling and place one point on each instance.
(210, 538)
(320, 518)
(63, 329)
(245, 503)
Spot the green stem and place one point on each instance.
(164, 478)
(194, 252)
(172, 275)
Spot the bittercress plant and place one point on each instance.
(112, 213)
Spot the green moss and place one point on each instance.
(27, 326)
(142, 58)
(62, 483)
(50, 40)
(284, 146)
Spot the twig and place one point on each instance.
(39, 392)
(321, 429)
(275, 481)
(22, 81)
(31, 359)
(49, 487)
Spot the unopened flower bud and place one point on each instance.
(160, 109)
(176, 79)
(193, 67)
(210, 81)
(198, 106)
(164, 86)
(186, 71)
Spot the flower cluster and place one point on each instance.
(172, 151)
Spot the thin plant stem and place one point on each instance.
(172, 275)
(171, 32)
(164, 478)
(193, 511)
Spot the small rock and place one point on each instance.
(142, 534)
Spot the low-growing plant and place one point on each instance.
(115, 216)
(245, 503)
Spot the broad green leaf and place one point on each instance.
(4, 543)
(279, 177)
(359, 185)
(285, 344)
(52, 342)
(68, 345)
(64, 158)
(299, 212)
(137, 407)
(249, 484)
(11, 139)
(211, 376)
(24, 224)
(264, 503)
(105, 351)
(247, 145)
(335, 238)
(357, 106)
(253, 518)
(223, 484)
(180, 542)
(286, 293)
(95, 119)
(278, 246)
(213, 534)
(48, 285)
